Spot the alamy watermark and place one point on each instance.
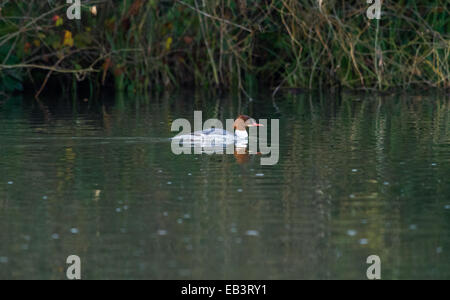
(74, 10)
(374, 11)
(210, 138)
(374, 271)
(74, 269)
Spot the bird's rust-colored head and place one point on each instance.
(243, 121)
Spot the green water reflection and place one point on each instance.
(356, 177)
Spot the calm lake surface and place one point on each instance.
(359, 176)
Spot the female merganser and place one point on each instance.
(215, 136)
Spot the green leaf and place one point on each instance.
(83, 40)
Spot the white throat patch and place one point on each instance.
(241, 134)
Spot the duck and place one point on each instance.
(217, 136)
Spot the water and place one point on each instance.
(357, 177)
